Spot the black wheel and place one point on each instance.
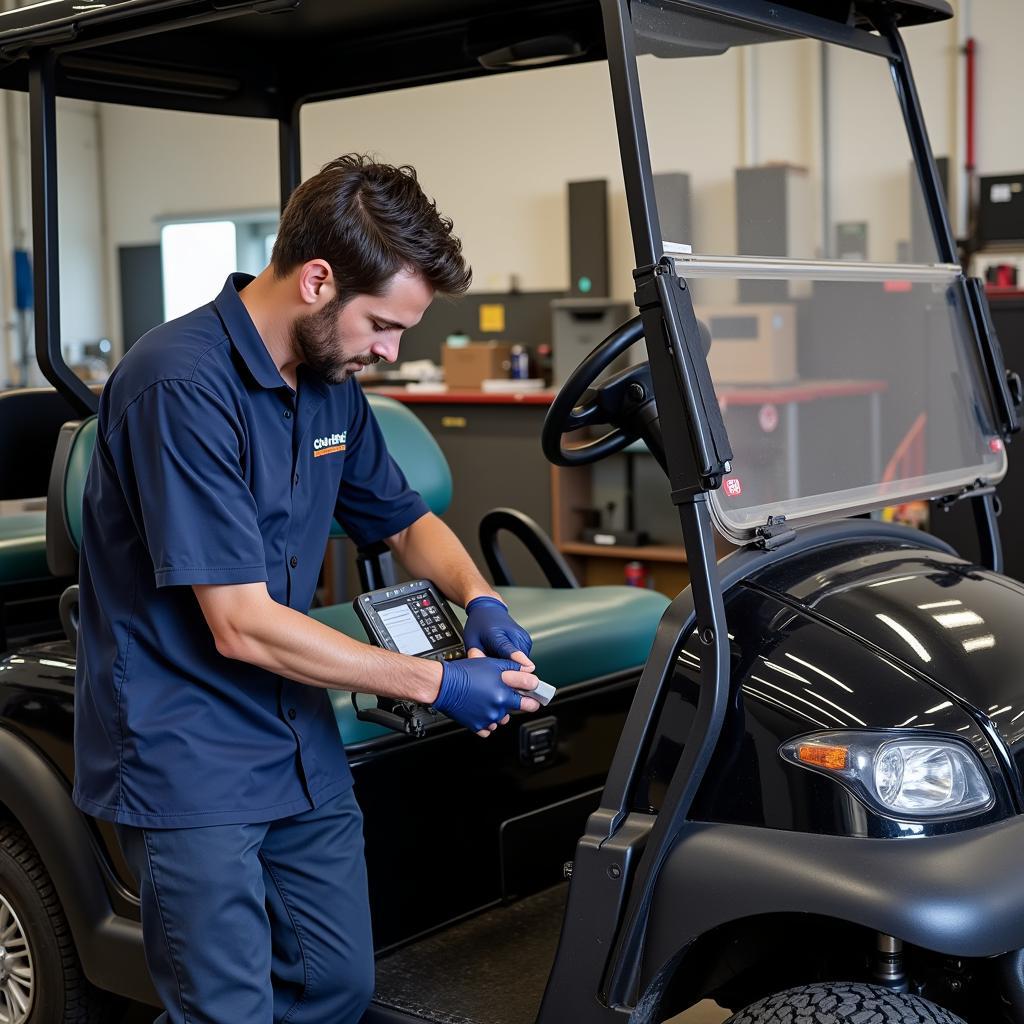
(41, 979)
(843, 1004)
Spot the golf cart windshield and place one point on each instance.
(842, 350)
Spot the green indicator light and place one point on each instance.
(585, 284)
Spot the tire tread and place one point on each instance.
(843, 1003)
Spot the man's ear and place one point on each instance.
(316, 282)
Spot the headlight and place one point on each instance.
(905, 777)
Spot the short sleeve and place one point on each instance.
(374, 499)
(179, 455)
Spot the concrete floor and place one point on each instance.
(706, 1012)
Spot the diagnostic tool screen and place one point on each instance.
(417, 624)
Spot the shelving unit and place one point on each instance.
(596, 564)
(648, 552)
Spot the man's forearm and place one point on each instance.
(248, 625)
(429, 549)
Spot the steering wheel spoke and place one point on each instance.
(586, 414)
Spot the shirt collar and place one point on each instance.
(243, 334)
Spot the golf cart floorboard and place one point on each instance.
(489, 969)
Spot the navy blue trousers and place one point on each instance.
(265, 923)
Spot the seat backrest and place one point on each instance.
(414, 449)
(34, 417)
(65, 495)
(410, 443)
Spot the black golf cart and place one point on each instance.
(812, 807)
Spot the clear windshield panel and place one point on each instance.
(885, 408)
(842, 350)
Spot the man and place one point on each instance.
(203, 729)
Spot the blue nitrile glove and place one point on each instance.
(490, 628)
(473, 694)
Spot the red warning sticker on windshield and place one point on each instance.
(733, 487)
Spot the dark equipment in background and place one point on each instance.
(1000, 209)
(142, 290)
(588, 238)
(771, 201)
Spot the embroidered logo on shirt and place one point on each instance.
(329, 444)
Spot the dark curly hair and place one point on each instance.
(369, 220)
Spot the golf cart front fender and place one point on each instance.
(959, 895)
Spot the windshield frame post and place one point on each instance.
(920, 145)
(985, 521)
(982, 505)
(289, 143)
(621, 981)
(45, 234)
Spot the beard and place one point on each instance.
(315, 337)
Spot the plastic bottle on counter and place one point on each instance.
(520, 362)
(637, 575)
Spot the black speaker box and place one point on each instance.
(588, 238)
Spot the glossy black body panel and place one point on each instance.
(954, 895)
(814, 648)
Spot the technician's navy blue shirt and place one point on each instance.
(208, 468)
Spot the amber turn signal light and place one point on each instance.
(834, 758)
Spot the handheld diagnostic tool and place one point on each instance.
(411, 618)
(414, 618)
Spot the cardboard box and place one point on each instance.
(751, 343)
(466, 366)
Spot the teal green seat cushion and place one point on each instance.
(415, 450)
(578, 634)
(74, 477)
(23, 547)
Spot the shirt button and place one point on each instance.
(287, 414)
(291, 714)
(296, 480)
(293, 561)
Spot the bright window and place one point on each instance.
(196, 259)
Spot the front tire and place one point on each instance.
(849, 1003)
(41, 979)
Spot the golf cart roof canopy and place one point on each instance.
(260, 58)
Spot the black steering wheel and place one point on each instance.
(615, 402)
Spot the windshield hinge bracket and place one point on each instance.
(773, 534)
(976, 490)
